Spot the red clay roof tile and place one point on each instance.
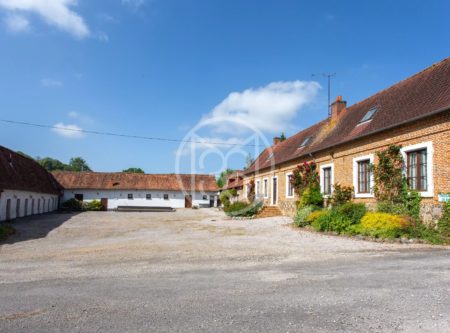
(418, 96)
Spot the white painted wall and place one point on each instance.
(120, 198)
(23, 203)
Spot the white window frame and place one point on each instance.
(322, 177)
(278, 191)
(369, 157)
(258, 188)
(266, 190)
(287, 186)
(428, 145)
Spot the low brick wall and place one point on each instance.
(288, 208)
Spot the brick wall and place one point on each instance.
(435, 129)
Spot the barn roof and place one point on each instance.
(136, 181)
(418, 96)
(18, 172)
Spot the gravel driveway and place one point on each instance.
(195, 270)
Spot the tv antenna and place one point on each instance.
(328, 76)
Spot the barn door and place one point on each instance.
(8, 209)
(188, 201)
(104, 202)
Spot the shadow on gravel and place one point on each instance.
(36, 226)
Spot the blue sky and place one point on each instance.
(227, 69)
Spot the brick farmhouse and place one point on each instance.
(414, 113)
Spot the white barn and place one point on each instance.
(26, 188)
(139, 190)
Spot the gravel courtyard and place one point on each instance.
(195, 270)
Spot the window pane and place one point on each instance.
(364, 176)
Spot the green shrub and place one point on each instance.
(352, 211)
(341, 195)
(315, 215)
(72, 205)
(243, 209)
(444, 221)
(226, 195)
(390, 208)
(340, 218)
(383, 225)
(311, 196)
(323, 222)
(6, 230)
(94, 205)
(301, 216)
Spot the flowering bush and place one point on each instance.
(341, 195)
(304, 176)
(315, 215)
(383, 225)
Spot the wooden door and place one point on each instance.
(104, 202)
(274, 191)
(188, 201)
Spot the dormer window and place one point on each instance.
(305, 142)
(369, 115)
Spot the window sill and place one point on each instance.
(364, 195)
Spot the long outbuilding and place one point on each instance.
(26, 188)
(120, 189)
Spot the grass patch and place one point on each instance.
(5, 231)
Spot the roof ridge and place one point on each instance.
(135, 173)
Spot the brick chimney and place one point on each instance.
(337, 108)
(276, 140)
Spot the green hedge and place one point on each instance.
(6, 230)
(340, 218)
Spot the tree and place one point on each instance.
(51, 164)
(249, 161)
(282, 137)
(133, 170)
(221, 181)
(78, 164)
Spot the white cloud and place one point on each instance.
(46, 82)
(55, 12)
(17, 23)
(267, 109)
(68, 131)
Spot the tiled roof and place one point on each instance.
(235, 184)
(234, 180)
(136, 181)
(420, 95)
(18, 172)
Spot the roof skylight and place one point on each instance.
(369, 115)
(270, 156)
(305, 142)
